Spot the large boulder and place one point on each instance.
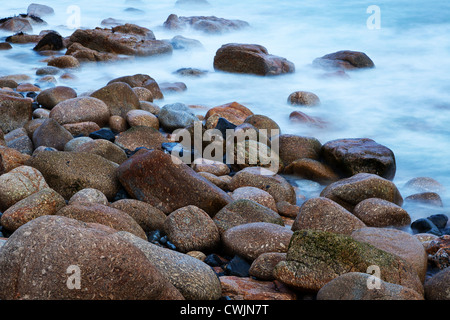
(69, 172)
(125, 39)
(50, 97)
(81, 109)
(51, 134)
(207, 24)
(43, 259)
(250, 59)
(352, 156)
(381, 213)
(167, 184)
(176, 116)
(119, 97)
(351, 191)
(15, 112)
(345, 59)
(192, 277)
(326, 215)
(141, 80)
(314, 258)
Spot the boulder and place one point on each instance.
(138, 137)
(51, 134)
(253, 239)
(18, 184)
(244, 211)
(314, 258)
(437, 287)
(95, 253)
(349, 192)
(81, 109)
(102, 214)
(258, 195)
(141, 80)
(176, 116)
(354, 286)
(190, 228)
(69, 172)
(311, 169)
(192, 277)
(381, 213)
(234, 112)
(303, 98)
(119, 97)
(326, 215)
(15, 112)
(250, 59)
(344, 60)
(64, 62)
(50, 97)
(89, 195)
(352, 156)
(207, 24)
(104, 148)
(10, 159)
(262, 267)
(293, 147)
(167, 184)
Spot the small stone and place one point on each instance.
(381, 213)
(64, 62)
(89, 195)
(303, 98)
(262, 267)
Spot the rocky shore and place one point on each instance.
(91, 181)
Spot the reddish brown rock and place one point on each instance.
(303, 98)
(262, 267)
(81, 109)
(141, 80)
(16, 24)
(427, 198)
(326, 215)
(294, 147)
(137, 137)
(142, 118)
(64, 62)
(119, 97)
(190, 228)
(251, 59)
(103, 260)
(258, 195)
(49, 98)
(345, 59)
(15, 112)
(81, 128)
(301, 117)
(104, 148)
(167, 184)
(106, 215)
(234, 112)
(147, 216)
(352, 156)
(238, 288)
(10, 159)
(43, 202)
(381, 213)
(312, 170)
(51, 134)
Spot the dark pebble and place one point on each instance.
(439, 220)
(425, 226)
(154, 236)
(170, 245)
(103, 133)
(163, 240)
(213, 260)
(223, 124)
(238, 267)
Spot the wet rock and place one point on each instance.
(19, 141)
(286, 209)
(22, 38)
(104, 148)
(143, 94)
(216, 168)
(438, 250)
(259, 196)
(64, 62)
(15, 112)
(424, 184)
(253, 239)
(346, 60)
(293, 147)
(381, 213)
(439, 220)
(316, 257)
(103, 133)
(98, 213)
(48, 70)
(234, 112)
(244, 211)
(51, 134)
(117, 124)
(262, 267)
(89, 195)
(351, 191)
(119, 97)
(352, 156)
(5, 46)
(147, 216)
(96, 250)
(276, 185)
(207, 24)
(128, 39)
(250, 59)
(140, 137)
(326, 215)
(353, 286)
(50, 97)
(69, 172)
(238, 288)
(81, 109)
(423, 225)
(312, 170)
(82, 128)
(426, 198)
(141, 80)
(176, 116)
(10, 159)
(263, 122)
(303, 118)
(303, 98)
(51, 41)
(83, 54)
(16, 24)
(43, 202)
(18, 184)
(181, 43)
(192, 277)
(172, 87)
(437, 287)
(167, 184)
(190, 228)
(40, 10)
(397, 242)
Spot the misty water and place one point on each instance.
(403, 103)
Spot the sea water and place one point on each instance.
(403, 103)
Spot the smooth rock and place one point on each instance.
(119, 97)
(345, 60)
(262, 267)
(381, 213)
(89, 195)
(303, 98)
(51, 134)
(50, 97)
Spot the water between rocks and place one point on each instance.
(404, 103)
